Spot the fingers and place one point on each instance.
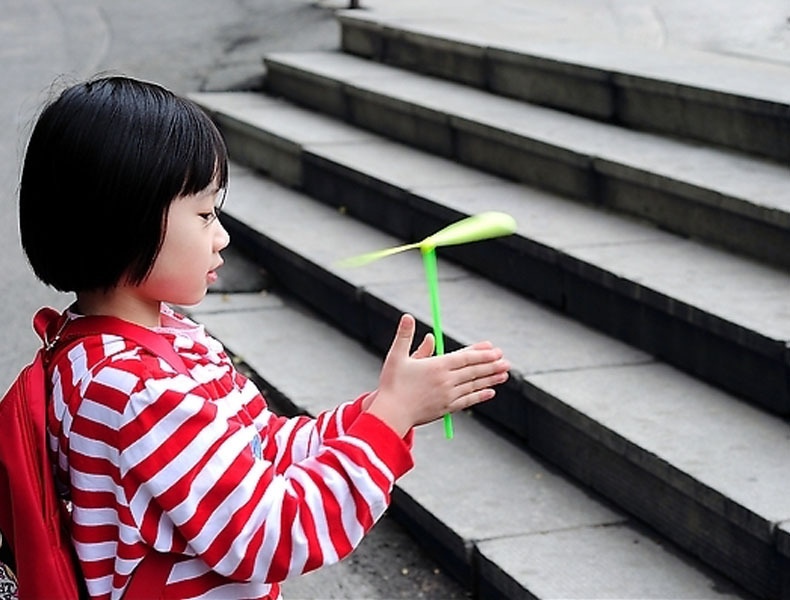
(477, 390)
(478, 346)
(480, 370)
(403, 337)
(485, 381)
(471, 355)
(471, 399)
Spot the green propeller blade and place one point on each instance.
(482, 226)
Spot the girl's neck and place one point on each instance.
(121, 303)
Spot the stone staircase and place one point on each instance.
(641, 447)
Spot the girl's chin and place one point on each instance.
(188, 300)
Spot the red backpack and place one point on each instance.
(33, 519)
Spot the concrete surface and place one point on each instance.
(286, 219)
(756, 30)
(184, 45)
(593, 563)
(783, 534)
(745, 453)
(735, 468)
(208, 45)
(394, 165)
(685, 285)
(580, 69)
(630, 427)
(533, 531)
(187, 46)
(194, 45)
(465, 123)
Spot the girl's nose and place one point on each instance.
(222, 237)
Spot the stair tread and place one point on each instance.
(755, 307)
(724, 74)
(307, 360)
(746, 185)
(613, 561)
(726, 454)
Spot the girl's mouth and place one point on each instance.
(212, 274)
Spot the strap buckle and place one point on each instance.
(44, 322)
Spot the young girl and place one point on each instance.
(119, 199)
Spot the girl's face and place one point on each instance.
(189, 257)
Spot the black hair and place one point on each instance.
(103, 164)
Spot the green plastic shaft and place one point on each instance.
(431, 274)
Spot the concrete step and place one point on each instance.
(725, 100)
(718, 196)
(534, 533)
(702, 468)
(714, 314)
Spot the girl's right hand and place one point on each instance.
(420, 388)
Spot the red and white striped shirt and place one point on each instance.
(199, 466)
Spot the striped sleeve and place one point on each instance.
(297, 438)
(291, 440)
(243, 494)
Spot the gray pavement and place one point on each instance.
(186, 45)
(218, 46)
(758, 29)
(206, 45)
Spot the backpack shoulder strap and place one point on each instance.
(150, 577)
(97, 325)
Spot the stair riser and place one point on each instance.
(521, 408)
(757, 372)
(697, 219)
(749, 125)
(576, 90)
(722, 362)
(747, 559)
(783, 543)
(464, 63)
(496, 584)
(441, 543)
(783, 537)
(258, 150)
(784, 568)
(422, 128)
(315, 92)
(582, 91)
(526, 161)
(681, 208)
(370, 321)
(577, 289)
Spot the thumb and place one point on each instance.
(403, 337)
(425, 348)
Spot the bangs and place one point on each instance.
(206, 156)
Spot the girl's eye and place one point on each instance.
(209, 216)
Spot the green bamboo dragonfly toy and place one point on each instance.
(482, 226)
